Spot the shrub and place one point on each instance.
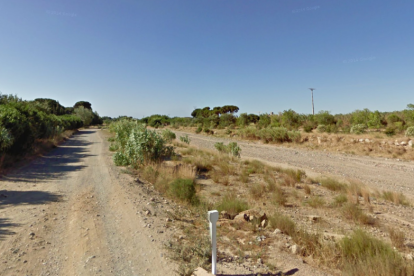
(340, 200)
(358, 129)
(283, 223)
(138, 145)
(363, 254)
(321, 128)
(410, 131)
(333, 184)
(353, 212)
(390, 131)
(308, 128)
(294, 136)
(199, 129)
(207, 130)
(168, 135)
(315, 202)
(185, 139)
(232, 205)
(232, 148)
(184, 190)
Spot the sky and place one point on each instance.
(138, 58)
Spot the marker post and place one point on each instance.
(213, 218)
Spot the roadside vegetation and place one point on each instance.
(326, 222)
(27, 127)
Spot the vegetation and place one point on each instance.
(24, 123)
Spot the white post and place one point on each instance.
(213, 218)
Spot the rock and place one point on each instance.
(147, 212)
(259, 261)
(251, 217)
(295, 249)
(168, 220)
(367, 141)
(361, 140)
(263, 223)
(226, 215)
(32, 234)
(313, 218)
(277, 231)
(319, 140)
(410, 143)
(403, 143)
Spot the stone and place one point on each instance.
(367, 141)
(314, 218)
(403, 143)
(168, 220)
(277, 231)
(410, 143)
(319, 140)
(263, 223)
(361, 140)
(147, 212)
(295, 249)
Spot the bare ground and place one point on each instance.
(72, 213)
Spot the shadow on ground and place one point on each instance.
(5, 226)
(57, 163)
(287, 273)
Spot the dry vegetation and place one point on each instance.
(330, 224)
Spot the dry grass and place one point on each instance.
(353, 212)
(315, 202)
(397, 238)
(396, 198)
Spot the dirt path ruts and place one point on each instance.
(378, 173)
(71, 213)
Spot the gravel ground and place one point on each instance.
(377, 173)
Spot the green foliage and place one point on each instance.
(23, 122)
(358, 129)
(324, 118)
(390, 131)
(83, 104)
(308, 127)
(321, 128)
(232, 148)
(199, 129)
(168, 135)
(137, 145)
(85, 114)
(184, 190)
(231, 204)
(410, 132)
(290, 119)
(185, 139)
(264, 121)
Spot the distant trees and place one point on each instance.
(206, 112)
(86, 105)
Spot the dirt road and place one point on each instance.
(71, 213)
(378, 173)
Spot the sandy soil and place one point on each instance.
(72, 213)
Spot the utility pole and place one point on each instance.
(313, 109)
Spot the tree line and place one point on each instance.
(22, 122)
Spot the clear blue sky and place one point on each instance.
(139, 58)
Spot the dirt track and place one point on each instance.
(71, 213)
(378, 173)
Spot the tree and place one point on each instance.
(86, 105)
(51, 105)
(85, 114)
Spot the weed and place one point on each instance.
(232, 205)
(283, 223)
(397, 238)
(332, 184)
(168, 135)
(396, 198)
(184, 190)
(257, 190)
(340, 200)
(315, 202)
(353, 212)
(363, 254)
(185, 139)
(307, 189)
(244, 177)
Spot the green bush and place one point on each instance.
(184, 190)
(390, 131)
(138, 145)
(168, 135)
(185, 139)
(232, 205)
(358, 129)
(410, 132)
(308, 127)
(232, 148)
(199, 129)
